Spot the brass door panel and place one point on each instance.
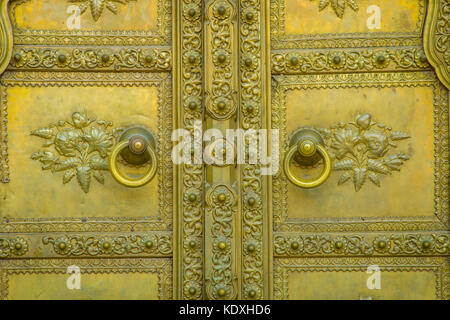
(91, 93)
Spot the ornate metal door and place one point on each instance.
(350, 203)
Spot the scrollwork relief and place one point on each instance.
(76, 245)
(10, 247)
(221, 278)
(338, 6)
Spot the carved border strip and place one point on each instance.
(161, 266)
(252, 106)
(436, 38)
(354, 60)
(441, 142)
(373, 244)
(282, 268)
(190, 100)
(112, 224)
(112, 38)
(150, 59)
(17, 246)
(282, 41)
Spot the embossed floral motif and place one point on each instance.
(338, 6)
(252, 292)
(97, 7)
(82, 146)
(361, 148)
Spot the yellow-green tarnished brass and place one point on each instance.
(306, 145)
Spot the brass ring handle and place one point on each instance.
(139, 146)
(307, 147)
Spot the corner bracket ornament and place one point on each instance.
(6, 36)
(437, 38)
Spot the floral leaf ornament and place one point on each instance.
(78, 148)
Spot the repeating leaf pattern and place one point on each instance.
(338, 6)
(81, 147)
(361, 149)
(97, 7)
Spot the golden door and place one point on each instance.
(348, 195)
